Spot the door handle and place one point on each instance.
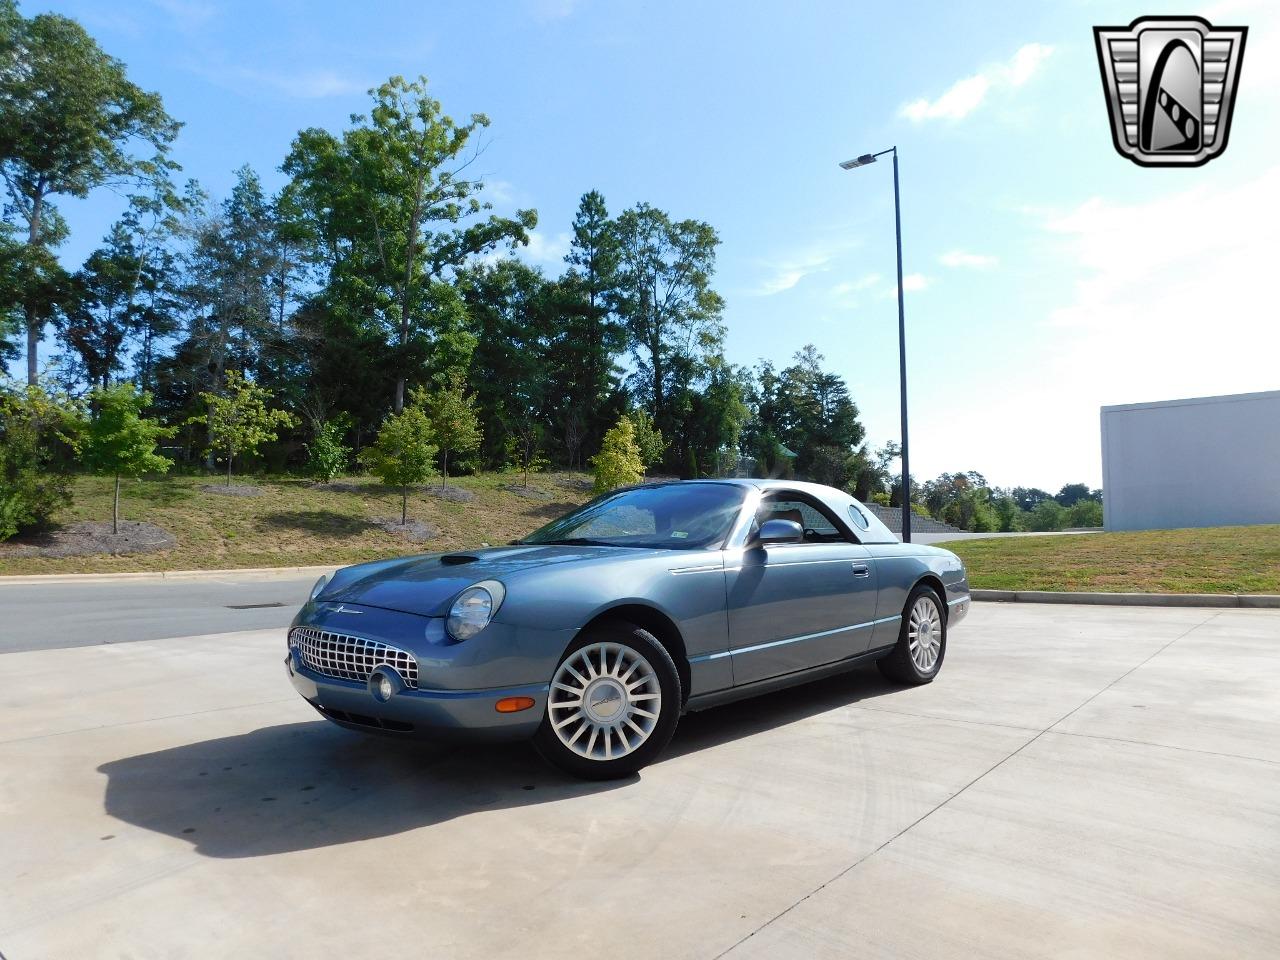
(861, 570)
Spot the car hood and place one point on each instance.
(426, 585)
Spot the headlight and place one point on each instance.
(474, 608)
(320, 585)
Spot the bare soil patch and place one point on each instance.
(415, 531)
(452, 494)
(529, 493)
(232, 490)
(90, 538)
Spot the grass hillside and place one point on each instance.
(1202, 560)
(294, 523)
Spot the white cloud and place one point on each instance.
(500, 191)
(785, 273)
(964, 96)
(853, 286)
(911, 283)
(546, 250)
(296, 84)
(968, 261)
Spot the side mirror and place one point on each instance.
(779, 531)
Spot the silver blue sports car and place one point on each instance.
(594, 634)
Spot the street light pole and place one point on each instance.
(902, 333)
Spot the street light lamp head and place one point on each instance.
(861, 161)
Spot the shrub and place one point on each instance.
(618, 463)
(38, 433)
(327, 455)
(1085, 513)
(648, 438)
(881, 498)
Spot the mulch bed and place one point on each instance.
(234, 490)
(529, 493)
(89, 538)
(415, 531)
(339, 487)
(577, 483)
(455, 494)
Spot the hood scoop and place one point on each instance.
(456, 559)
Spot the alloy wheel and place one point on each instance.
(605, 701)
(924, 633)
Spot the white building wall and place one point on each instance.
(1206, 462)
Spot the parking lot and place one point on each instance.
(1080, 781)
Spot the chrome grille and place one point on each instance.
(350, 658)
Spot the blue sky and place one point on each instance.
(1046, 275)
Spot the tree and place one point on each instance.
(648, 439)
(404, 453)
(672, 315)
(392, 206)
(239, 421)
(1073, 493)
(1028, 498)
(1048, 515)
(451, 411)
(591, 334)
(69, 122)
(327, 455)
(119, 441)
(618, 462)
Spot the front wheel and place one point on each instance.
(922, 640)
(613, 703)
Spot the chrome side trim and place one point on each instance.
(704, 568)
(964, 599)
(804, 636)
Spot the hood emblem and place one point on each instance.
(342, 609)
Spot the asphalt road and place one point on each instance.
(50, 616)
(1078, 782)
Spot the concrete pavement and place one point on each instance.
(49, 615)
(1080, 781)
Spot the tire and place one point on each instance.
(910, 664)
(612, 731)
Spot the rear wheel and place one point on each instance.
(922, 640)
(613, 703)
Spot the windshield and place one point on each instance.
(677, 516)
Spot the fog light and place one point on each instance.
(385, 689)
(513, 704)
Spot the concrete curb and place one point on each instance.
(165, 575)
(1251, 600)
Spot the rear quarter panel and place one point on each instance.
(900, 566)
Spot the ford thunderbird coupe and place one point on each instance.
(593, 635)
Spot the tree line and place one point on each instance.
(376, 287)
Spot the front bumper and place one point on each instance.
(430, 714)
(958, 609)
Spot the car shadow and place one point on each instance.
(302, 786)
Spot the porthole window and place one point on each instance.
(858, 517)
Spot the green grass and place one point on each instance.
(1202, 560)
(294, 524)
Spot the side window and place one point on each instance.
(818, 526)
